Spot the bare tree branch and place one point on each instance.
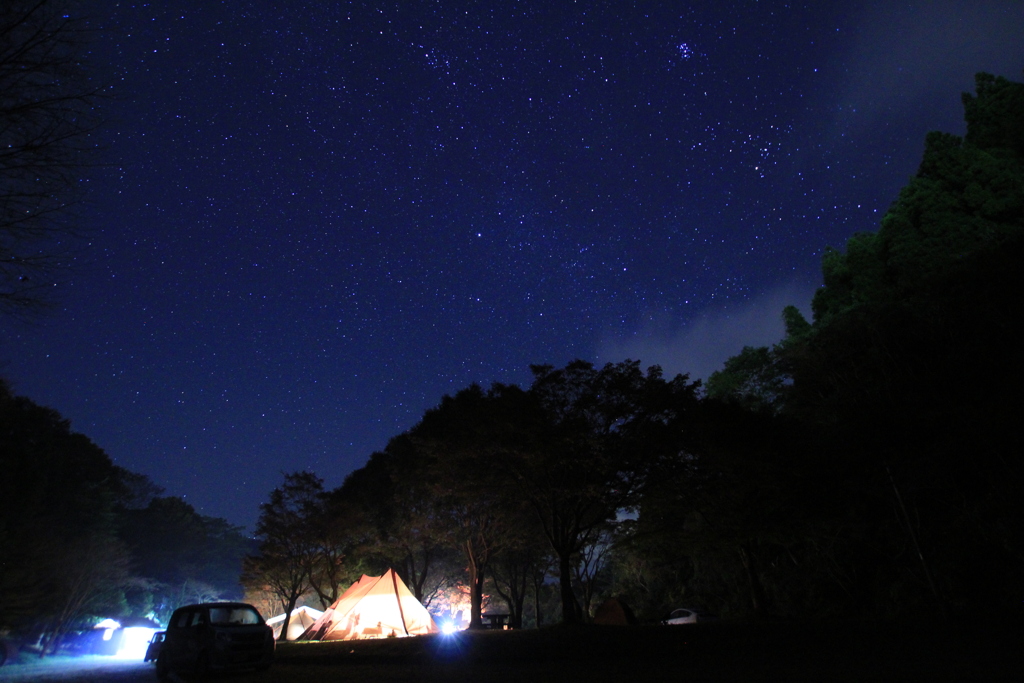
(47, 121)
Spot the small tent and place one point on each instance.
(614, 612)
(373, 607)
(302, 618)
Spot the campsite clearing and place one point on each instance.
(697, 652)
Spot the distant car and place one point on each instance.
(153, 651)
(682, 616)
(215, 636)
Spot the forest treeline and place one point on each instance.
(82, 539)
(867, 465)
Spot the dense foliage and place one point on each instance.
(59, 551)
(82, 539)
(907, 381)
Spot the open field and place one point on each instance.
(703, 652)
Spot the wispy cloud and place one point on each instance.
(700, 346)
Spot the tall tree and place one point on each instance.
(733, 494)
(907, 379)
(332, 526)
(47, 115)
(287, 548)
(393, 497)
(589, 453)
(592, 562)
(59, 494)
(936, 290)
(467, 440)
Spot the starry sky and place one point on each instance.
(316, 219)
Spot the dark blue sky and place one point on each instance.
(318, 220)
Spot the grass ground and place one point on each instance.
(717, 651)
(701, 652)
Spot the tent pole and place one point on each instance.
(398, 599)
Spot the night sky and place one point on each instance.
(318, 218)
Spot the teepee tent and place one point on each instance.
(373, 607)
(302, 618)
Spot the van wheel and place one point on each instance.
(163, 669)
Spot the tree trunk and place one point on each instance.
(416, 579)
(757, 597)
(476, 598)
(538, 581)
(289, 607)
(518, 594)
(515, 582)
(476, 589)
(570, 608)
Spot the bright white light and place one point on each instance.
(135, 642)
(449, 628)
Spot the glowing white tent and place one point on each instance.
(373, 607)
(302, 618)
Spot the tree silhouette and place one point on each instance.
(467, 441)
(597, 431)
(47, 115)
(287, 545)
(60, 558)
(907, 381)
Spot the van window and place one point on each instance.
(234, 616)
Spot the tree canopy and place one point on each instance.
(908, 376)
(47, 114)
(81, 538)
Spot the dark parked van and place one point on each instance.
(215, 636)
